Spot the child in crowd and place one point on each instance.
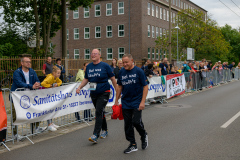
(52, 80)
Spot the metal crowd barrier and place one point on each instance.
(27, 130)
(198, 81)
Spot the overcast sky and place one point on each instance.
(220, 12)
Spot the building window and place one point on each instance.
(160, 30)
(67, 53)
(179, 3)
(157, 54)
(120, 52)
(157, 32)
(98, 32)
(109, 31)
(86, 12)
(173, 2)
(160, 13)
(149, 8)
(121, 30)
(153, 32)
(164, 14)
(97, 10)
(164, 33)
(87, 54)
(157, 12)
(66, 13)
(174, 17)
(86, 33)
(109, 53)
(149, 30)
(153, 53)
(182, 5)
(153, 10)
(67, 34)
(76, 53)
(75, 14)
(76, 33)
(171, 17)
(149, 53)
(167, 15)
(109, 9)
(120, 7)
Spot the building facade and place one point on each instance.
(117, 27)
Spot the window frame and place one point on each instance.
(120, 53)
(109, 54)
(108, 9)
(119, 8)
(75, 34)
(95, 11)
(86, 32)
(157, 13)
(84, 12)
(77, 14)
(121, 30)
(149, 9)
(75, 53)
(85, 54)
(97, 32)
(109, 31)
(153, 10)
(153, 31)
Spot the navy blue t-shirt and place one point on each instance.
(164, 68)
(132, 82)
(99, 73)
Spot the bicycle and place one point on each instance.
(7, 80)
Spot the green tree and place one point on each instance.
(43, 15)
(232, 36)
(196, 32)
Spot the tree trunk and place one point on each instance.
(37, 25)
(49, 26)
(64, 29)
(44, 26)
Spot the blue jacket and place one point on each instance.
(19, 80)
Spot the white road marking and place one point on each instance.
(225, 125)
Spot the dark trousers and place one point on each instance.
(100, 101)
(133, 118)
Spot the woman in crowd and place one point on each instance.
(79, 78)
(114, 63)
(118, 68)
(52, 80)
(155, 70)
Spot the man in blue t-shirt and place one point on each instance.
(163, 67)
(132, 83)
(98, 73)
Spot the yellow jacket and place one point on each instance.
(80, 75)
(49, 80)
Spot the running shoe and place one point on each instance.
(55, 126)
(40, 129)
(104, 134)
(93, 138)
(131, 148)
(51, 128)
(144, 141)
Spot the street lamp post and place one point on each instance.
(177, 42)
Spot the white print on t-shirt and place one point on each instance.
(129, 81)
(95, 74)
(130, 76)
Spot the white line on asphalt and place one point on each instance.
(225, 125)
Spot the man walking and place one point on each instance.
(132, 83)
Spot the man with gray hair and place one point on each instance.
(132, 83)
(98, 73)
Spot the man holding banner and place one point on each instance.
(132, 83)
(98, 73)
(24, 77)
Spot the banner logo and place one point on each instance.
(25, 102)
(28, 115)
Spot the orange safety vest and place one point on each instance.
(3, 119)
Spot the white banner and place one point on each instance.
(175, 85)
(156, 88)
(39, 105)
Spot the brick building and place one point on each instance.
(119, 26)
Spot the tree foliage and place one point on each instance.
(43, 17)
(196, 32)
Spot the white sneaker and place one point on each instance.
(51, 128)
(40, 129)
(55, 126)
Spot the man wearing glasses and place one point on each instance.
(24, 77)
(97, 74)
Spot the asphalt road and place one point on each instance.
(190, 132)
